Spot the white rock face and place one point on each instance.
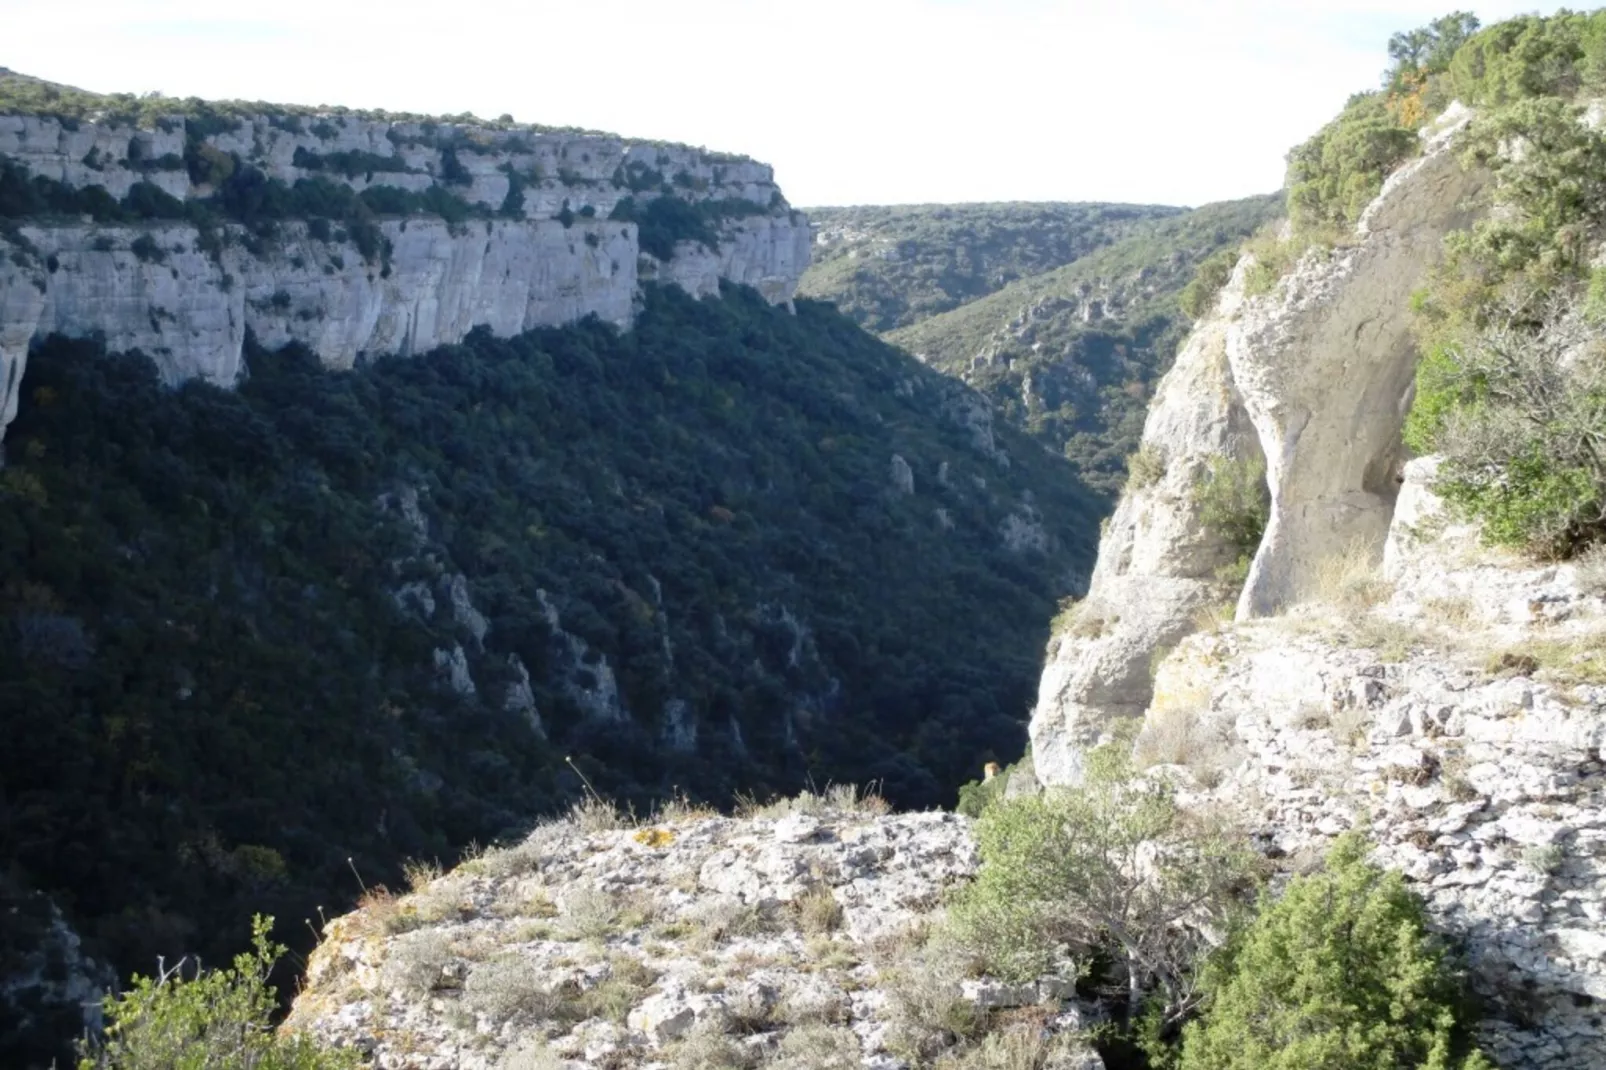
(1460, 725)
(1326, 363)
(698, 929)
(555, 260)
(1314, 380)
(1156, 565)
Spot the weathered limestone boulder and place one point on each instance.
(1157, 565)
(1326, 363)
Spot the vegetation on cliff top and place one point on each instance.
(21, 94)
(1512, 385)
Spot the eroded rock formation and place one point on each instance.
(1313, 379)
(545, 254)
(1325, 364)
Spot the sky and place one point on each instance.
(852, 101)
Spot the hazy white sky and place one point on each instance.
(853, 101)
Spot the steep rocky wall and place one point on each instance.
(1313, 378)
(1157, 564)
(553, 259)
(1326, 362)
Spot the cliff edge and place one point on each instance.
(178, 234)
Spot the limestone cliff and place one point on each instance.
(547, 241)
(1312, 379)
(1377, 669)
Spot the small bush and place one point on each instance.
(1333, 176)
(212, 1019)
(1055, 887)
(1233, 502)
(1199, 296)
(508, 987)
(588, 913)
(1340, 972)
(1146, 467)
(1546, 859)
(419, 962)
(148, 251)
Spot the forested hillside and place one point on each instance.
(890, 267)
(334, 620)
(1072, 355)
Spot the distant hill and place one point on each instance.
(891, 267)
(1072, 354)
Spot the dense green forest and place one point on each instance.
(230, 637)
(1072, 355)
(891, 267)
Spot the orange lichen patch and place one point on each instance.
(653, 837)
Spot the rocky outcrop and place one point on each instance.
(689, 940)
(540, 251)
(1380, 669)
(1459, 722)
(1326, 363)
(1313, 380)
(1157, 565)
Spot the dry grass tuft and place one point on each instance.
(596, 814)
(818, 912)
(817, 1047)
(681, 810)
(1349, 581)
(530, 1054)
(1022, 1046)
(836, 799)
(928, 1014)
(1592, 570)
(421, 874)
(1183, 735)
(705, 1047)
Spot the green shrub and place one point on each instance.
(1510, 386)
(148, 251)
(209, 1020)
(1531, 56)
(1199, 295)
(664, 222)
(1055, 889)
(976, 796)
(1335, 174)
(1146, 467)
(1233, 502)
(1339, 972)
